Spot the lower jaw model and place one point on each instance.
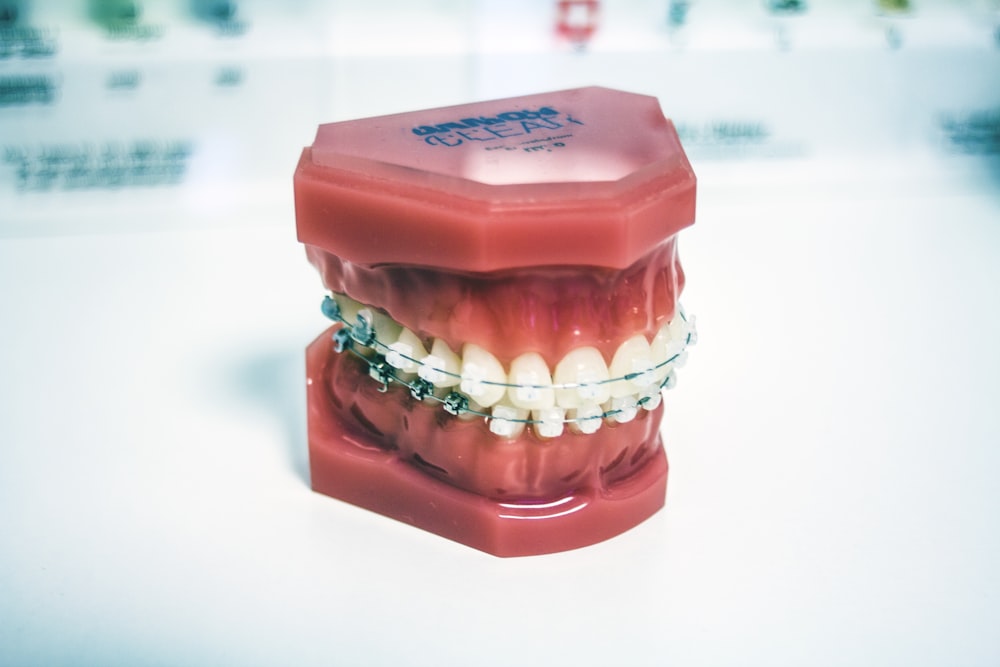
(517, 410)
(515, 398)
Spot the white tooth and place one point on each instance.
(387, 330)
(658, 351)
(632, 358)
(366, 315)
(507, 421)
(441, 359)
(624, 409)
(650, 397)
(583, 366)
(475, 411)
(430, 369)
(679, 327)
(551, 422)
(479, 367)
(348, 308)
(692, 330)
(587, 418)
(403, 353)
(667, 343)
(530, 369)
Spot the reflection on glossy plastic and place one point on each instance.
(505, 315)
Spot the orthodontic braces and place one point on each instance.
(362, 332)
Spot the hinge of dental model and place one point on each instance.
(358, 336)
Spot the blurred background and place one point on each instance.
(199, 105)
(833, 438)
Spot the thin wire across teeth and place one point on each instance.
(362, 333)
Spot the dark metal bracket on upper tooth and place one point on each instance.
(361, 333)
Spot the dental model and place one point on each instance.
(503, 283)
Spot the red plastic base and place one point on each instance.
(346, 467)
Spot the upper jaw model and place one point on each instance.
(503, 283)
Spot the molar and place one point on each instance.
(583, 366)
(530, 369)
(366, 316)
(387, 330)
(349, 308)
(478, 368)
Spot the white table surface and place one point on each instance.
(834, 442)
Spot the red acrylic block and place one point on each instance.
(504, 280)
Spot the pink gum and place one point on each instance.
(549, 310)
(465, 454)
(350, 458)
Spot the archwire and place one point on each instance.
(361, 334)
